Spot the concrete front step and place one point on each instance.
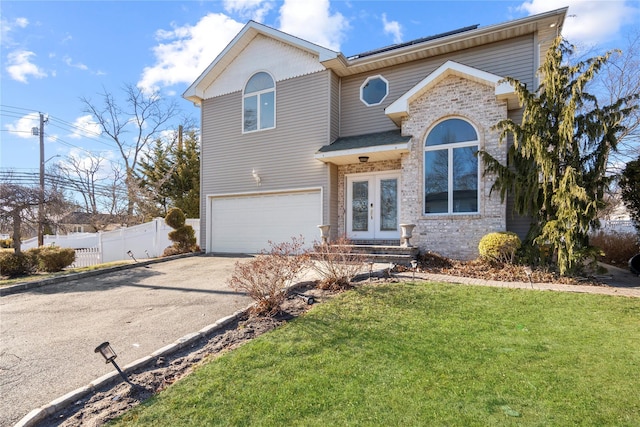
(383, 254)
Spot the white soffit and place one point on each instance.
(503, 90)
(375, 154)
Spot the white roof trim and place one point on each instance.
(195, 92)
(400, 107)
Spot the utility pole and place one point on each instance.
(41, 200)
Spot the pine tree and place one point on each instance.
(185, 179)
(169, 176)
(630, 188)
(154, 173)
(556, 167)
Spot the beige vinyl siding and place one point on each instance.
(332, 214)
(512, 58)
(516, 223)
(335, 107)
(283, 157)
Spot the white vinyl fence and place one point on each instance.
(147, 240)
(617, 226)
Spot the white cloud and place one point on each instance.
(78, 65)
(588, 22)
(22, 127)
(249, 9)
(85, 126)
(188, 51)
(19, 66)
(313, 21)
(6, 27)
(392, 27)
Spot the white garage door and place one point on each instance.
(245, 224)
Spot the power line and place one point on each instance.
(32, 178)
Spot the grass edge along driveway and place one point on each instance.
(424, 354)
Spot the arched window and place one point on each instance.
(451, 168)
(259, 103)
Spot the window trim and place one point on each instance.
(362, 86)
(258, 94)
(449, 148)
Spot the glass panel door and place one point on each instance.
(389, 204)
(372, 206)
(360, 206)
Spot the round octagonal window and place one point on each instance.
(374, 90)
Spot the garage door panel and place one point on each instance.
(245, 224)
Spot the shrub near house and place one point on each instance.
(183, 236)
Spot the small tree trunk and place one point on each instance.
(17, 225)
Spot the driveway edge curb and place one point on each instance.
(26, 286)
(39, 414)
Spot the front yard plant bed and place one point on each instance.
(481, 269)
(423, 354)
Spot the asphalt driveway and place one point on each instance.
(48, 334)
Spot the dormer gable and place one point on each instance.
(503, 90)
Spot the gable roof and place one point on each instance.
(440, 44)
(195, 92)
(400, 107)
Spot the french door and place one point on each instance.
(372, 206)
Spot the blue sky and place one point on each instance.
(55, 52)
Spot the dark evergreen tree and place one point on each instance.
(630, 188)
(556, 167)
(169, 176)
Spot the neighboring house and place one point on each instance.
(82, 222)
(295, 135)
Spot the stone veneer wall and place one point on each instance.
(455, 236)
(387, 165)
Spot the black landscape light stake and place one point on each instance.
(370, 269)
(132, 257)
(414, 265)
(109, 355)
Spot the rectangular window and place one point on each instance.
(465, 180)
(451, 180)
(436, 181)
(250, 113)
(267, 110)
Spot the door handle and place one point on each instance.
(371, 210)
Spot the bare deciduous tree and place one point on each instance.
(620, 78)
(132, 125)
(19, 209)
(97, 186)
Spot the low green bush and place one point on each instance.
(52, 258)
(499, 246)
(16, 264)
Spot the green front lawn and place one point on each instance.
(424, 354)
